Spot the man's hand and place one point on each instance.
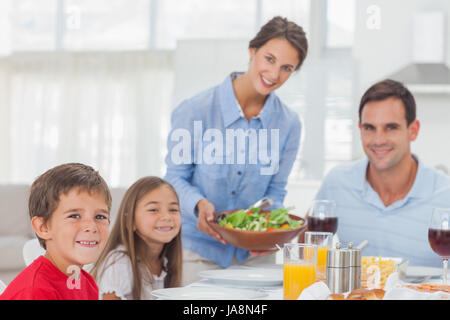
(206, 213)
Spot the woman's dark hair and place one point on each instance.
(390, 89)
(282, 28)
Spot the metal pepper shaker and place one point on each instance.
(338, 269)
(355, 267)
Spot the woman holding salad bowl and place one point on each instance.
(234, 144)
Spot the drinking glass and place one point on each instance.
(299, 268)
(439, 236)
(323, 241)
(322, 216)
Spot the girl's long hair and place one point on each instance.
(123, 234)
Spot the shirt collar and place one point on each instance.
(420, 189)
(359, 174)
(228, 99)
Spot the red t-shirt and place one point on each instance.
(41, 280)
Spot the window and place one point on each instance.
(204, 19)
(326, 111)
(33, 24)
(106, 24)
(112, 82)
(140, 24)
(295, 10)
(340, 23)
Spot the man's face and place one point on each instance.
(385, 135)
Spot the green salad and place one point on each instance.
(252, 219)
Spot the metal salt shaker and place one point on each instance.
(355, 267)
(338, 269)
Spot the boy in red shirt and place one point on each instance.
(69, 209)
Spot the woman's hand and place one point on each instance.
(206, 213)
(262, 253)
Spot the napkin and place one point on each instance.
(394, 287)
(317, 291)
(395, 290)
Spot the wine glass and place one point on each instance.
(439, 236)
(322, 216)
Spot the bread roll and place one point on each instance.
(379, 293)
(366, 294)
(336, 296)
(357, 294)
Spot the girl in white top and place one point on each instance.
(143, 252)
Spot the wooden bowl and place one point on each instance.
(257, 240)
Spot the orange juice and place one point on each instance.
(321, 263)
(322, 256)
(297, 276)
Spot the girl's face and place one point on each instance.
(157, 218)
(272, 64)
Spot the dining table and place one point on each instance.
(270, 289)
(265, 282)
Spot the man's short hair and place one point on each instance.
(47, 188)
(390, 89)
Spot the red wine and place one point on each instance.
(440, 242)
(325, 224)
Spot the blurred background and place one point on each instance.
(95, 81)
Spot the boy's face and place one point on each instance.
(78, 229)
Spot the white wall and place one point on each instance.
(432, 144)
(385, 51)
(201, 64)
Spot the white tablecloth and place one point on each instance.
(276, 292)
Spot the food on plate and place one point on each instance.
(336, 296)
(375, 294)
(357, 294)
(254, 220)
(360, 294)
(428, 287)
(375, 271)
(250, 230)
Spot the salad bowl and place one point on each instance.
(260, 238)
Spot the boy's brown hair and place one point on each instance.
(46, 190)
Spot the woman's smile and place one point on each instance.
(266, 83)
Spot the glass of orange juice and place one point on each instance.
(299, 268)
(323, 241)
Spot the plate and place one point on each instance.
(418, 271)
(207, 293)
(245, 277)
